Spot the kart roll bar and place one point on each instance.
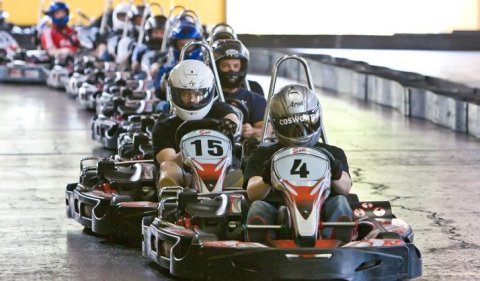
(211, 59)
(271, 93)
(127, 24)
(171, 20)
(103, 24)
(219, 25)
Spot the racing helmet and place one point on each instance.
(135, 15)
(231, 49)
(55, 7)
(296, 116)
(3, 17)
(222, 31)
(120, 12)
(186, 30)
(190, 88)
(154, 22)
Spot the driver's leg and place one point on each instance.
(337, 209)
(171, 175)
(262, 213)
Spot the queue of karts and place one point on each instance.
(200, 231)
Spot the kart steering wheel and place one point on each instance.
(206, 124)
(240, 109)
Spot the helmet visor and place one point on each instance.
(191, 99)
(297, 125)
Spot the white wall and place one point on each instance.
(374, 17)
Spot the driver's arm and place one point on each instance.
(257, 189)
(258, 129)
(168, 154)
(343, 185)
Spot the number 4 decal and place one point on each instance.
(299, 169)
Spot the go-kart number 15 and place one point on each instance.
(214, 147)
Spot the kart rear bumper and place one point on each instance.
(34, 74)
(94, 211)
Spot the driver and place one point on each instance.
(292, 101)
(231, 58)
(191, 90)
(59, 39)
(181, 35)
(154, 31)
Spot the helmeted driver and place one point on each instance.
(191, 92)
(181, 35)
(149, 50)
(295, 115)
(59, 39)
(231, 58)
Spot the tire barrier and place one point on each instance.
(445, 103)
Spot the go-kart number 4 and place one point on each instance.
(301, 167)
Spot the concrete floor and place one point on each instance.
(430, 174)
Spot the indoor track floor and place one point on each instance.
(430, 175)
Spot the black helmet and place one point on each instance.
(296, 116)
(222, 31)
(154, 22)
(231, 49)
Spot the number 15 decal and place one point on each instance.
(214, 147)
(299, 168)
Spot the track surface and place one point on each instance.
(430, 174)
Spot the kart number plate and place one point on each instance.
(15, 73)
(300, 167)
(206, 144)
(32, 74)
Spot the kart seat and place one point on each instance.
(132, 107)
(124, 174)
(135, 95)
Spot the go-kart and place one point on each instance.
(111, 197)
(134, 146)
(24, 66)
(207, 153)
(204, 236)
(107, 129)
(59, 74)
(81, 72)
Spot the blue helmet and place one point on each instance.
(57, 6)
(185, 30)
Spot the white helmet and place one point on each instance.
(120, 11)
(190, 89)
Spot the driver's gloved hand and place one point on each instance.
(336, 169)
(227, 126)
(267, 173)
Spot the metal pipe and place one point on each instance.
(263, 226)
(103, 23)
(171, 20)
